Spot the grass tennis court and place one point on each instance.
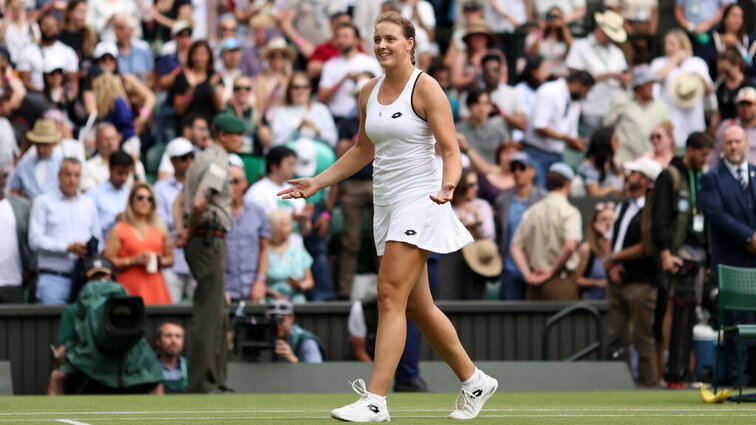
(640, 407)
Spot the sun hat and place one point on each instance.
(686, 90)
(44, 131)
(611, 23)
(746, 94)
(479, 26)
(483, 258)
(179, 26)
(646, 166)
(278, 44)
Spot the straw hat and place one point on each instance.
(686, 90)
(483, 258)
(278, 44)
(611, 23)
(44, 131)
(479, 26)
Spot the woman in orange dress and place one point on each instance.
(139, 246)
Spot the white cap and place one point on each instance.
(306, 158)
(51, 63)
(646, 166)
(179, 147)
(179, 26)
(105, 48)
(235, 160)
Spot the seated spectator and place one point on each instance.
(228, 67)
(55, 91)
(37, 175)
(731, 79)
(493, 179)
(731, 34)
(466, 66)
(101, 15)
(474, 213)
(170, 344)
(293, 344)
(252, 63)
(599, 170)
(198, 88)
(172, 57)
(134, 56)
(746, 104)
(257, 137)
(139, 246)
(483, 133)
(270, 85)
(289, 274)
(68, 146)
(590, 274)
(442, 75)
(96, 170)
(247, 242)
(423, 17)
(532, 76)
(325, 51)
(543, 247)
(662, 138)
(195, 129)
(62, 224)
(178, 278)
(111, 197)
(113, 107)
(17, 30)
(75, 32)
(300, 116)
(17, 261)
(551, 42)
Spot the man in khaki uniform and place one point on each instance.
(202, 213)
(544, 246)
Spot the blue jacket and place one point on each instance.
(731, 211)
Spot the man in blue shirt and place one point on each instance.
(111, 197)
(62, 222)
(170, 343)
(293, 344)
(134, 56)
(37, 175)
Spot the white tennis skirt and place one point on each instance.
(420, 222)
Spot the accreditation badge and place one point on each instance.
(698, 223)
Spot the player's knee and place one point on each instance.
(390, 299)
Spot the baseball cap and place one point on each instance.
(563, 169)
(280, 307)
(98, 264)
(306, 158)
(746, 94)
(179, 147)
(521, 158)
(179, 26)
(230, 43)
(642, 75)
(235, 160)
(52, 63)
(646, 166)
(105, 48)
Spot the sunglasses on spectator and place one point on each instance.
(517, 167)
(186, 156)
(142, 198)
(656, 136)
(300, 86)
(601, 206)
(240, 88)
(745, 102)
(277, 55)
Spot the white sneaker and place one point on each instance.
(471, 398)
(362, 410)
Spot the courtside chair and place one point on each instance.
(737, 292)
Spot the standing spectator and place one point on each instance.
(134, 56)
(483, 133)
(257, 137)
(228, 67)
(598, 55)
(698, 17)
(509, 208)
(679, 233)
(635, 116)
(62, 223)
(506, 18)
(325, 51)
(337, 79)
(97, 169)
(731, 35)
(545, 244)
(37, 175)
(168, 68)
(301, 117)
(139, 246)
(164, 16)
(252, 63)
(574, 10)
(731, 80)
(664, 144)
(533, 75)
(289, 275)
(599, 170)
(30, 63)
(641, 22)
(504, 98)
(75, 33)
(554, 122)
(467, 64)
(493, 179)
(112, 106)
(111, 197)
(16, 31)
(471, 10)
(270, 85)
(247, 263)
(423, 17)
(551, 42)
(728, 199)
(679, 74)
(178, 278)
(746, 107)
(306, 20)
(198, 88)
(590, 275)
(634, 277)
(17, 261)
(101, 16)
(170, 344)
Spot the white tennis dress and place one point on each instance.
(404, 175)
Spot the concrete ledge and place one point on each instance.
(334, 377)
(6, 378)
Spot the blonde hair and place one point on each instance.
(276, 217)
(683, 40)
(153, 219)
(107, 88)
(405, 24)
(669, 128)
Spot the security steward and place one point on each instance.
(202, 213)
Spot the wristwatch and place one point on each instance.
(690, 27)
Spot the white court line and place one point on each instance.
(71, 422)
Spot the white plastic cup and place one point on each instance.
(152, 265)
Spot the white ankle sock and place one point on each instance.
(474, 379)
(378, 398)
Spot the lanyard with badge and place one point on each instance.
(698, 219)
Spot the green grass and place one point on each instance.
(639, 407)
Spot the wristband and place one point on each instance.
(261, 277)
(187, 97)
(327, 215)
(144, 112)
(299, 41)
(177, 70)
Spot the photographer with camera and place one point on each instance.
(292, 343)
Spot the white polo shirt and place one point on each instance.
(33, 60)
(343, 104)
(556, 110)
(586, 54)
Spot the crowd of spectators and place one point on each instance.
(101, 100)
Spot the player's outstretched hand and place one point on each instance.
(301, 188)
(445, 194)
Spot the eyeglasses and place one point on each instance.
(300, 86)
(240, 88)
(141, 198)
(745, 103)
(601, 206)
(517, 167)
(185, 157)
(656, 136)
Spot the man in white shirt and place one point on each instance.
(606, 62)
(32, 61)
(337, 78)
(194, 128)
(97, 171)
(554, 122)
(62, 223)
(15, 256)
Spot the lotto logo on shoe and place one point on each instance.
(373, 408)
(477, 393)
(396, 115)
(410, 232)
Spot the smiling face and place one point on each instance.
(391, 47)
(300, 90)
(735, 145)
(242, 89)
(142, 202)
(733, 20)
